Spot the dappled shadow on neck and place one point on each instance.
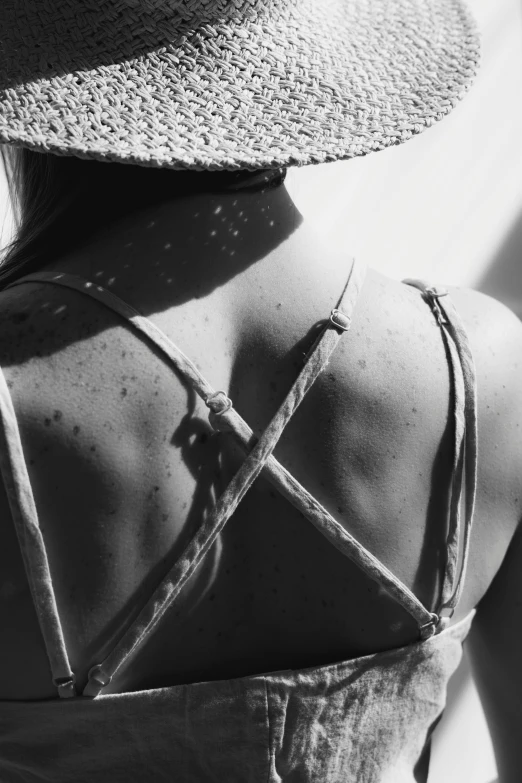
(168, 260)
(160, 238)
(151, 253)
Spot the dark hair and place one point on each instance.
(60, 201)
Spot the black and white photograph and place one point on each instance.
(260, 391)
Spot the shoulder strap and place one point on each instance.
(464, 484)
(221, 409)
(172, 584)
(25, 518)
(223, 416)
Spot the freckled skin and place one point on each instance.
(125, 472)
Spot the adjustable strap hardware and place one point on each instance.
(438, 622)
(432, 295)
(340, 320)
(97, 674)
(65, 686)
(96, 682)
(219, 404)
(428, 629)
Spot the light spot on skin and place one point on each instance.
(272, 223)
(151, 224)
(98, 274)
(129, 244)
(213, 233)
(218, 210)
(235, 233)
(168, 246)
(169, 279)
(60, 309)
(111, 281)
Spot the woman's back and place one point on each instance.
(151, 606)
(123, 463)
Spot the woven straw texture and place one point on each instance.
(229, 84)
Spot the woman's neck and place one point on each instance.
(184, 248)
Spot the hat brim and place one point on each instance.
(302, 82)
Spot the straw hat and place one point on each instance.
(228, 84)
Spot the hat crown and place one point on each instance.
(28, 12)
(193, 7)
(66, 35)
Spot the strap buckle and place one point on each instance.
(438, 621)
(101, 678)
(66, 686)
(219, 404)
(428, 629)
(340, 320)
(432, 295)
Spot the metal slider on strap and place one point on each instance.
(66, 686)
(427, 630)
(340, 320)
(219, 403)
(432, 296)
(100, 678)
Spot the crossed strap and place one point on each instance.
(259, 452)
(259, 458)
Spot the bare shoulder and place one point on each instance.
(495, 336)
(494, 330)
(495, 339)
(38, 320)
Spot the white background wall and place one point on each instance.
(446, 206)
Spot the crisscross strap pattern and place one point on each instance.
(171, 586)
(464, 485)
(223, 416)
